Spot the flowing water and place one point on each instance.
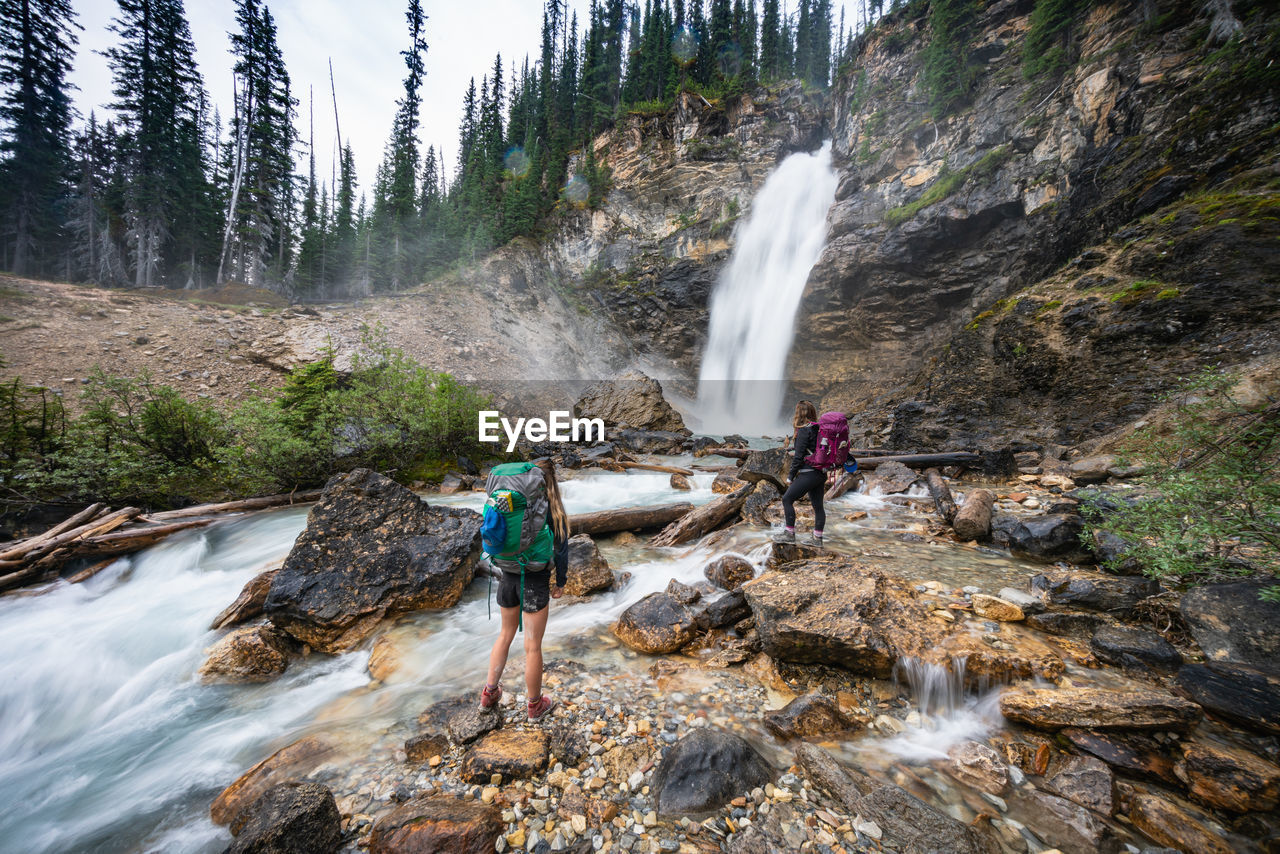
(753, 308)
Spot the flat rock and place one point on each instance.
(729, 571)
(1170, 825)
(995, 608)
(1133, 753)
(1093, 591)
(588, 571)
(289, 818)
(516, 754)
(248, 604)
(438, 822)
(914, 827)
(1097, 708)
(657, 624)
(1235, 692)
(1073, 829)
(287, 763)
(979, 767)
(1229, 778)
(371, 549)
(807, 716)
(1231, 623)
(1122, 645)
(771, 465)
(253, 654)
(1072, 624)
(705, 770)
(1093, 469)
(1024, 600)
(470, 722)
(631, 400)
(724, 610)
(1087, 781)
(778, 555)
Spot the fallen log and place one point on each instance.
(736, 453)
(98, 526)
(705, 519)
(627, 518)
(973, 521)
(90, 571)
(260, 503)
(954, 458)
(845, 482)
(22, 547)
(656, 467)
(713, 469)
(941, 494)
(133, 539)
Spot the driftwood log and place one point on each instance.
(618, 465)
(973, 520)
(627, 518)
(241, 506)
(736, 453)
(705, 519)
(941, 494)
(843, 484)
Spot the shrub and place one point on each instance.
(33, 426)
(1047, 50)
(949, 75)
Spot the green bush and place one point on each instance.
(1213, 509)
(33, 425)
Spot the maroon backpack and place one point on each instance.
(833, 442)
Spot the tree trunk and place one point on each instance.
(237, 506)
(627, 519)
(621, 465)
(705, 519)
(16, 550)
(736, 453)
(941, 495)
(973, 521)
(843, 484)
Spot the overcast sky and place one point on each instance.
(364, 40)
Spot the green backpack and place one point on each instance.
(516, 531)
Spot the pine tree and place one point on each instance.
(770, 46)
(37, 42)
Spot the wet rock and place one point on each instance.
(1087, 781)
(657, 624)
(1071, 624)
(781, 554)
(650, 441)
(1228, 778)
(1093, 469)
(1047, 538)
(254, 654)
(1094, 591)
(995, 608)
(1073, 829)
(756, 508)
(289, 818)
(437, 823)
(1170, 825)
(990, 660)
(384, 659)
(724, 611)
(248, 604)
(771, 466)
(914, 827)
(705, 770)
(837, 611)
(1097, 708)
(729, 571)
(726, 481)
(1231, 623)
(807, 716)
(421, 748)
(1133, 753)
(588, 572)
(516, 754)
(287, 763)
(371, 549)
(683, 593)
(1025, 601)
(471, 722)
(680, 482)
(978, 766)
(1122, 645)
(891, 478)
(631, 400)
(1236, 692)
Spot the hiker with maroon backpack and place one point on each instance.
(821, 444)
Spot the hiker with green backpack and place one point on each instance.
(525, 531)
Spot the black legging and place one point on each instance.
(815, 484)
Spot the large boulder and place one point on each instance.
(1241, 694)
(371, 549)
(1123, 646)
(723, 611)
(834, 610)
(516, 754)
(288, 763)
(650, 441)
(1073, 829)
(726, 481)
(1099, 708)
(290, 818)
(705, 770)
(1093, 469)
(770, 466)
(254, 654)
(437, 822)
(588, 570)
(1094, 591)
(1047, 538)
(1231, 623)
(632, 400)
(657, 624)
(1072, 624)
(729, 571)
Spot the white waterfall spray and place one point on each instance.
(753, 308)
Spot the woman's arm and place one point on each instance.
(560, 553)
(801, 451)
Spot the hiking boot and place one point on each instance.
(540, 706)
(489, 699)
(815, 539)
(785, 537)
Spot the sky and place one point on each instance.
(364, 40)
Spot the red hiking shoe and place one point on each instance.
(489, 699)
(540, 706)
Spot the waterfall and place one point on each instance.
(753, 308)
(945, 713)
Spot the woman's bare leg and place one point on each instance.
(498, 655)
(534, 626)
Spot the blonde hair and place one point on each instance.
(559, 519)
(806, 414)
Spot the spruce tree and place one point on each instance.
(770, 36)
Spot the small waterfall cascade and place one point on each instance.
(935, 689)
(754, 305)
(945, 713)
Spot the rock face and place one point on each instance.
(1241, 694)
(729, 572)
(1094, 591)
(705, 770)
(1231, 623)
(1047, 538)
(657, 624)
(437, 823)
(1122, 646)
(254, 654)
(1228, 778)
(1096, 708)
(835, 611)
(806, 716)
(515, 754)
(632, 400)
(291, 818)
(371, 549)
(588, 571)
(771, 466)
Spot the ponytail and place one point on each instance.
(559, 519)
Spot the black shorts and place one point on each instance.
(537, 590)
